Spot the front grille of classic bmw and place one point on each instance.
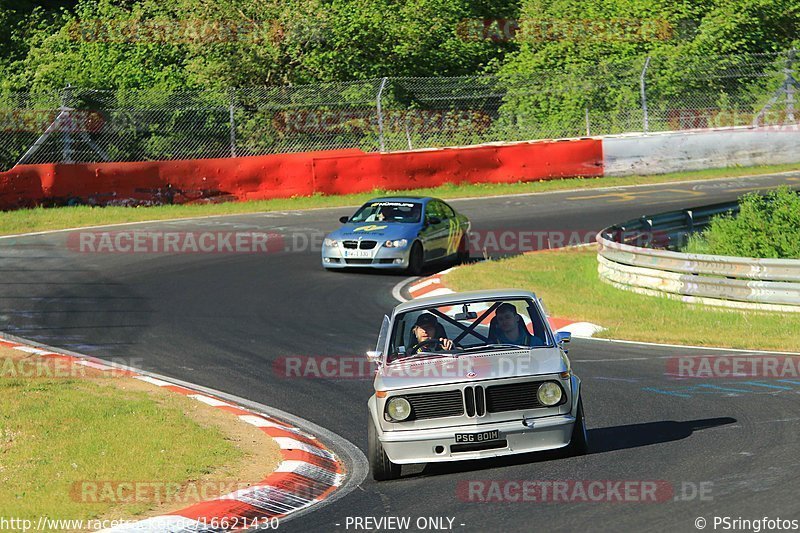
(512, 397)
(364, 245)
(475, 400)
(436, 404)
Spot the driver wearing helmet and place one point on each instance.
(429, 334)
(382, 214)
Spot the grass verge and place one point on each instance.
(568, 283)
(70, 437)
(41, 219)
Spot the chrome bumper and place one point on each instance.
(433, 445)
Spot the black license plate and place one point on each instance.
(478, 437)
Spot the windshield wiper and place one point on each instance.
(496, 346)
(425, 355)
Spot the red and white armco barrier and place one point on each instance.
(353, 171)
(308, 474)
(297, 174)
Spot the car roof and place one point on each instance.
(463, 297)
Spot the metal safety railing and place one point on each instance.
(640, 256)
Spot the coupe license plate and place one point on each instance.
(478, 437)
(358, 253)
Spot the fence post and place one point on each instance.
(232, 99)
(642, 85)
(790, 87)
(380, 115)
(66, 150)
(588, 130)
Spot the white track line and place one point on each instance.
(689, 346)
(463, 199)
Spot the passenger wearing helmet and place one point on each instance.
(507, 327)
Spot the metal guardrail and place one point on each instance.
(640, 256)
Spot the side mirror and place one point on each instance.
(344, 220)
(374, 357)
(562, 338)
(434, 220)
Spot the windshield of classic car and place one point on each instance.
(453, 330)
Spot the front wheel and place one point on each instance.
(416, 259)
(579, 444)
(382, 468)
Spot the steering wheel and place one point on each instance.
(430, 342)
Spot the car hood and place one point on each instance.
(468, 368)
(375, 230)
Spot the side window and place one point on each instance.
(447, 211)
(432, 210)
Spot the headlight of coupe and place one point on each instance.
(329, 242)
(399, 243)
(549, 394)
(398, 409)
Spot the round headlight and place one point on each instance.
(549, 393)
(330, 242)
(398, 409)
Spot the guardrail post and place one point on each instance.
(689, 226)
(689, 220)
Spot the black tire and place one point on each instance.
(382, 468)
(462, 255)
(416, 259)
(579, 443)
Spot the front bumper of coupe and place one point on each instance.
(379, 257)
(439, 445)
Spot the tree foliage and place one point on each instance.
(219, 43)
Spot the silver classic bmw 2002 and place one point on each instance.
(471, 375)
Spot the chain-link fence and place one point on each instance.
(389, 114)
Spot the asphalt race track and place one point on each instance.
(222, 320)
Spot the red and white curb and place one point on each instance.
(434, 286)
(308, 474)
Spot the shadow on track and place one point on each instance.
(601, 440)
(636, 435)
(429, 270)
